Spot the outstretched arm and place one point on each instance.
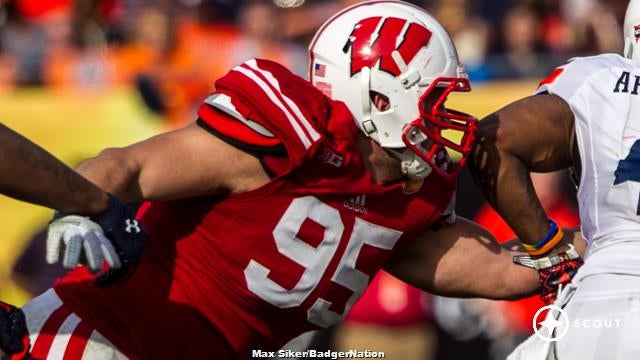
(534, 134)
(463, 260)
(29, 173)
(182, 163)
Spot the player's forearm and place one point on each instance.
(498, 278)
(513, 281)
(530, 135)
(506, 184)
(463, 260)
(29, 173)
(503, 176)
(114, 172)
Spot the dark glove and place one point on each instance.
(553, 270)
(127, 236)
(14, 336)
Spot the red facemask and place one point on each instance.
(434, 118)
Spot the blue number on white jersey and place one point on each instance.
(629, 168)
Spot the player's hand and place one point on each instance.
(554, 270)
(553, 277)
(14, 336)
(123, 233)
(83, 241)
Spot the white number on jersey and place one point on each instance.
(315, 260)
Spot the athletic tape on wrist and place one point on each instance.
(548, 261)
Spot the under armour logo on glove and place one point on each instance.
(132, 226)
(129, 240)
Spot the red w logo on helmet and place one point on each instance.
(367, 46)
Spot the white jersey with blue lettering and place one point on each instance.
(604, 94)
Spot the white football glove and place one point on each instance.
(77, 233)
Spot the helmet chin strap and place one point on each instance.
(365, 78)
(411, 164)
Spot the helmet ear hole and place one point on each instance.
(380, 101)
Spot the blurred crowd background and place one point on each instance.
(173, 50)
(78, 76)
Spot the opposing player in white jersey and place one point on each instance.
(586, 116)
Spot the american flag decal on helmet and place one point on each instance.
(319, 70)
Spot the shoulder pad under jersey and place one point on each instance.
(267, 105)
(568, 79)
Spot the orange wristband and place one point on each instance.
(548, 246)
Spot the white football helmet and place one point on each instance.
(631, 30)
(400, 51)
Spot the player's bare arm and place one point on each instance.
(29, 173)
(463, 260)
(529, 135)
(183, 163)
(50, 182)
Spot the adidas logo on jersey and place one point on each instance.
(357, 204)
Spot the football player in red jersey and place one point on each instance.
(29, 173)
(270, 214)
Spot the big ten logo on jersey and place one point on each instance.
(330, 157)
(310, 233)
(377, 38)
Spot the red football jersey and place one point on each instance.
(225, 275)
